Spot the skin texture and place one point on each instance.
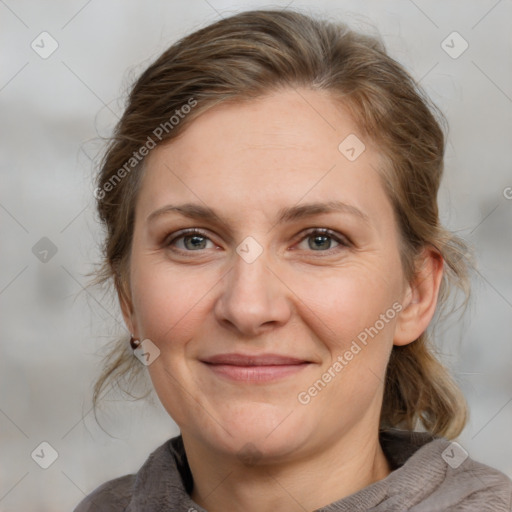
(253, 446)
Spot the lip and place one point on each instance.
(237, 359)
(255, 367)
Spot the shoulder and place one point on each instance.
(116, 495)
(458, 483)
(479, 487)
(433, 473)
(113, 495)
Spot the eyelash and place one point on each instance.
(340, 239)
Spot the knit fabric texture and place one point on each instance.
(429, 474)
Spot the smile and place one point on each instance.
(255, 368)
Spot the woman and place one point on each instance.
(273, 235)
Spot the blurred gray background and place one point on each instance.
(55, 110)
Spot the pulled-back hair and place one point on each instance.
(248, 56)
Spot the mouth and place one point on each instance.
(255, 368)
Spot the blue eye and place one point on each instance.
(321, 240)
(318, 240)
(193, 240)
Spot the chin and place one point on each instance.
(257, 435)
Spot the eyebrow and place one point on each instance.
(287, 214)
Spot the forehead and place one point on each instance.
(266, 154)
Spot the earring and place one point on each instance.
(135, 344)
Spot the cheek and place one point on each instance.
(354, 319)
(166, 302)
(169, 310)
(349, 302)
(353, 315)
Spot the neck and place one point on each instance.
(306, 483)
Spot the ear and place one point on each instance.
(420, 298)
(125, 301)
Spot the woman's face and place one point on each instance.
(270, 333)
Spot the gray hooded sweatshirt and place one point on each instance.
(429, 474)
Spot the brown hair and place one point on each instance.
(257, 52)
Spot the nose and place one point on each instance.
(253, 298)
